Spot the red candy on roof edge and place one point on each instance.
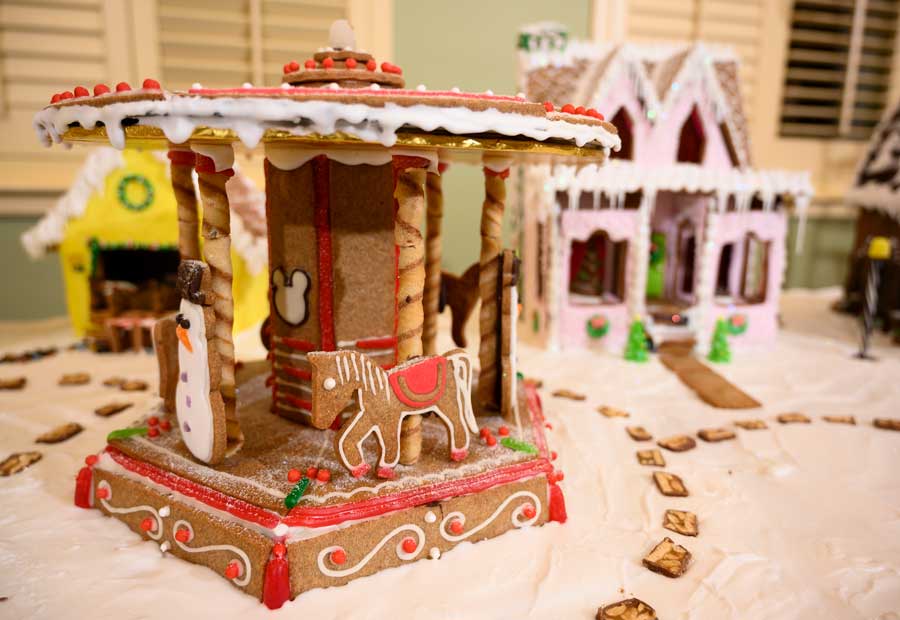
(151, 83)
(122, 86)
(101, 89)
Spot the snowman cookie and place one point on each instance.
(198, 403)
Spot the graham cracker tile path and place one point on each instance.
(710, 386)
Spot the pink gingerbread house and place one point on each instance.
(678, 229)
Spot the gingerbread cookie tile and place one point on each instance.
(612, 412)
(668, 558)
(713, 435)
(678, 443)
(74, 378)
(638, 433)
(840, 419)
(60, 433)
(629, 609)
(793, 418)
(888, 424)
(19, 461)
(570, 394)
(111, 409)
(751, 425)
(652, 457)
(681, 522)
(669, 485)
(13, 383)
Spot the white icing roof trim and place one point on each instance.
(250, 117)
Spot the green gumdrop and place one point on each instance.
(521, 446)
(125, 433)
(293, 498)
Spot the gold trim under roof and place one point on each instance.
(454, 146)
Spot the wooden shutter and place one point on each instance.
(230, 42)
(736, 23)
(838, 67)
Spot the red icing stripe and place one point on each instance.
(377, 343)
(536, 413)
(503, 174)
(206, 165)
(233, 506)
(297, 373)
(295, 401)
(322, 220)
(322, 516)
(427, 94)
(295, 343)
(182, 158)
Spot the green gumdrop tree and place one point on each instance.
(636, 347)
(719, 351)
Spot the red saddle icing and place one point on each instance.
(423, 382)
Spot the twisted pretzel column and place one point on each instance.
(409, 199)
(217, 251)
(495, 175)
(181, 165)
(433, 215)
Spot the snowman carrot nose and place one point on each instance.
(184, 338)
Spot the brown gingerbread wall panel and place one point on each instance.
(364, 260)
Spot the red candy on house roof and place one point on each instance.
(350, 63)
(548, 106)
(101, 89)
(81, 91)
(122, 86)
(568, 109)
(55, 98)
(371, 65)
(310, 64)
(151, 83)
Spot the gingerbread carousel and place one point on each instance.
(356, 446)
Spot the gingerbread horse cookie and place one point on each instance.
(198, 403)
(441, 384)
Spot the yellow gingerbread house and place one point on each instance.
(116, 232)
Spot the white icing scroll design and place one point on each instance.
(242, 579)
(403, 555)
(156, 534)
(515, 517)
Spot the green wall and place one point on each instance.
(470, 44)
(31, 289)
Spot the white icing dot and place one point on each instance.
(281, 529)
(246, 85)
(330, 383)
(420, 87)
(196, 85)
(489, 92)
(165, 511)
(333, 86)
(430, 517)
(285, 85)
(375, 86)
(520, 95)
(435, 553)
(455, 89)
(164, 546)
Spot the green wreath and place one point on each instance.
(597, 326)
(737, 324)
(122, 192)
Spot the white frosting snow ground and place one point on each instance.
(799, 521)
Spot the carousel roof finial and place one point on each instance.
(341, 35)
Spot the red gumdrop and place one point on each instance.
(277, 581)
(286, 68)
(310, 64)
(548, 106)
(350, 63)
(153, 420)
(151, 84)
(83, 487)
(148, 524)
(91, 459)
(371, 65)
(233, 571)
(66, 95)
(553, 455)
(529, 512)
(293, 475)
(456, 526)
(165, 425)
(122, 87)
(579, 110)
(328, 63)
(101, 89)
(182, 535)
(503, 431)
(338, 556)
(55, 98)
(484, 431)
(491, 441)
(409, 545)
(311, 472)
(102, 492)
(81, 91)
(568, 108)
(324, 475)
(153, 432)
(294, 66)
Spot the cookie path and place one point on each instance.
(709, 385)
(765, 523)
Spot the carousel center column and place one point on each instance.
(409, 196)
(214, 167)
